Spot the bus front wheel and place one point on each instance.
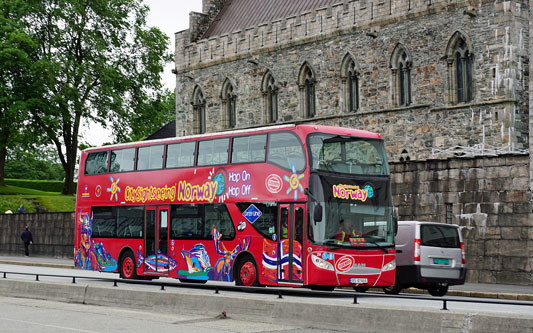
(247, 273)
(127, 266)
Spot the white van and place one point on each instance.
(429, 256)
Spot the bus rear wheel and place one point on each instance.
(247, 273)
(127, 266)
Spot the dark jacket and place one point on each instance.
(26, 236)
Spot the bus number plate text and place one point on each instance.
(358, 280)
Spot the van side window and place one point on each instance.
(441, 236)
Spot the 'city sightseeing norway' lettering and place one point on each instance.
(352, 192)
(204, 192)
(150, 193)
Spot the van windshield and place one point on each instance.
(439, 235)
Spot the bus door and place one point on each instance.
(156, 259)
(290, 243)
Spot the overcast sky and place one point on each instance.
(170, 16)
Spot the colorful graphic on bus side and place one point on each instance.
(224, 265)
(91, 255)
(198, 263)
(160, 263)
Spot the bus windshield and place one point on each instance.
(350, 182)
(344, 154)
(356, 212)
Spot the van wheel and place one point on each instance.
(361, 289)
(438, 290)
(127, 266)
(392, 290)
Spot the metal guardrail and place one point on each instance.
(274, 290)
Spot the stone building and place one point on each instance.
(446, 82)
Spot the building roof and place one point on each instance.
(241, 14)
(167, 131)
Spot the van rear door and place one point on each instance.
(440, 251)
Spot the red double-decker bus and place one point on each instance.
(291, 205)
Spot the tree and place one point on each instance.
(38, 164)
(20, 86)
(101, 63)
(144, 122)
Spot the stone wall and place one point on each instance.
(53, 234)
(488, 197)
(496, 31)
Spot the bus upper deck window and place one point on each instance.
(96, 163)
(248, 149)
(213, 152)
(286, 151)
(150, 158)
(122, 160)
(180, 155)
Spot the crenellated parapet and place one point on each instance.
(365, 16)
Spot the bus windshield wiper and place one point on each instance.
(333, 246)
(379, 246)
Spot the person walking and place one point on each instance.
(21, 209)
(27, 239)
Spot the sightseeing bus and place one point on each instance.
(264, 206)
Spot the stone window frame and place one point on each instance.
(307, 87)
(460, 89)
(198, 103)
(270, 89)
(350, 73)
(400, 65)
(228, 104)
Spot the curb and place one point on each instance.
(43, 264)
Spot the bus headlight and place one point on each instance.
(321, 263)
(390, 266)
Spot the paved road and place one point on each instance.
(140, 308)
(29, 315)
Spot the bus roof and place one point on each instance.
(306, 129)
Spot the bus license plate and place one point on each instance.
(358, 280)
(440, 261)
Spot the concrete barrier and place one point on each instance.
(310, 312)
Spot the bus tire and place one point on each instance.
(128, 270)
(322, 288)
(392, 290)
(247, 274)
(438, 290)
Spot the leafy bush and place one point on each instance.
(41, 185)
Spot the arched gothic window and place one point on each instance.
(401, 76)
(198, 113)
(459, 60)
(228, 98)
(306, 83)
(270, 97)
(350, 77)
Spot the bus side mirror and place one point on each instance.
(395, 225)
(317, 214)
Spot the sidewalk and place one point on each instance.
(484, 290)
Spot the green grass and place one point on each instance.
(12, 196)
